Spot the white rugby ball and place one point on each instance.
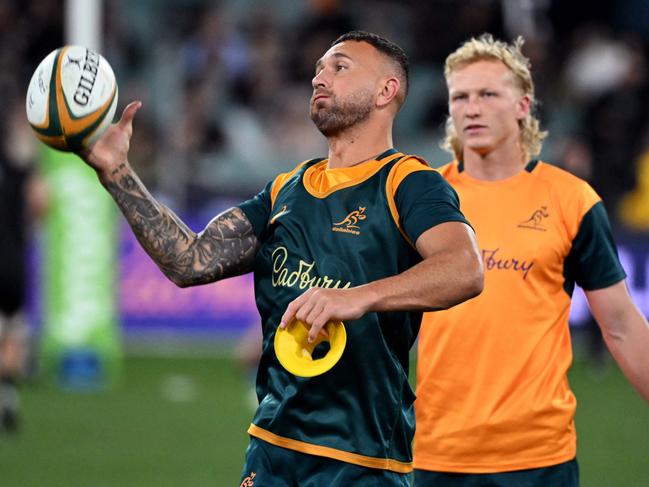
(72, 98)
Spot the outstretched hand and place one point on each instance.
(111, 149)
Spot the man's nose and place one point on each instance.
(473, 108)
(320, 80)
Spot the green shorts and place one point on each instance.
(272, 466)
(561, 475)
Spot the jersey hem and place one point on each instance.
(604, 283)
(328, 452)
(491, 468)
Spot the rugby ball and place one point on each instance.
(71, 98)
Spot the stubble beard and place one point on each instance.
(342, 115)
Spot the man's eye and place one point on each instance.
(340, 67)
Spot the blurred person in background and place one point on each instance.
(607, 98)
(575, 156)
(247, 354)
(494, 406)
(634, 206)
(22, 201)
(371, 236)
(615, 114)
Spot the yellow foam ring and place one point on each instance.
(295, 353)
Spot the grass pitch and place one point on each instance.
(182, 422)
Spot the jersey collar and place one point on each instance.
(529, 167)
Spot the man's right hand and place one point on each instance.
(111, 150)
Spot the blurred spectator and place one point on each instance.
(634, 206)
(606, 83)
(28, 31)
(247, 354)
(218, 87)
(607, 78)
(433, 38)
(323, 20)
(575, 156)
(22, 200)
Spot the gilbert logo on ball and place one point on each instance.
(72, 97)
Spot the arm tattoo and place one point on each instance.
(225, 248)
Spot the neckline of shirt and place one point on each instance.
(514, 179)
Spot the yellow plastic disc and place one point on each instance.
(295, 353)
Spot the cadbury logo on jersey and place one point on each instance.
(536, 220)
(302, 277)
(495, 261)
(349, 223)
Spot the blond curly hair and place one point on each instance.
(486, 47)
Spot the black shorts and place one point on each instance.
(12, 282)
(561, 475)
(12, 297)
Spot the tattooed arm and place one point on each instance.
(225, 248)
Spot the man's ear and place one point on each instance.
(389, 91)
(523, 107)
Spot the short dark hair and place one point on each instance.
(385, 46)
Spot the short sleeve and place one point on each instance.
(257, 209)
(593, 262)
(424, 199)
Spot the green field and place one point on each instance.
(182, 421)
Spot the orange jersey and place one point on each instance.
(492, 390)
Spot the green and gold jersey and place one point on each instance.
(338, 228)
(492, 385)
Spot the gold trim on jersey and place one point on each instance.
(328, 452)
(280, 181)
(397, 174)
(320, 182)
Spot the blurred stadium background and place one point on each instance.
(225, 88)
